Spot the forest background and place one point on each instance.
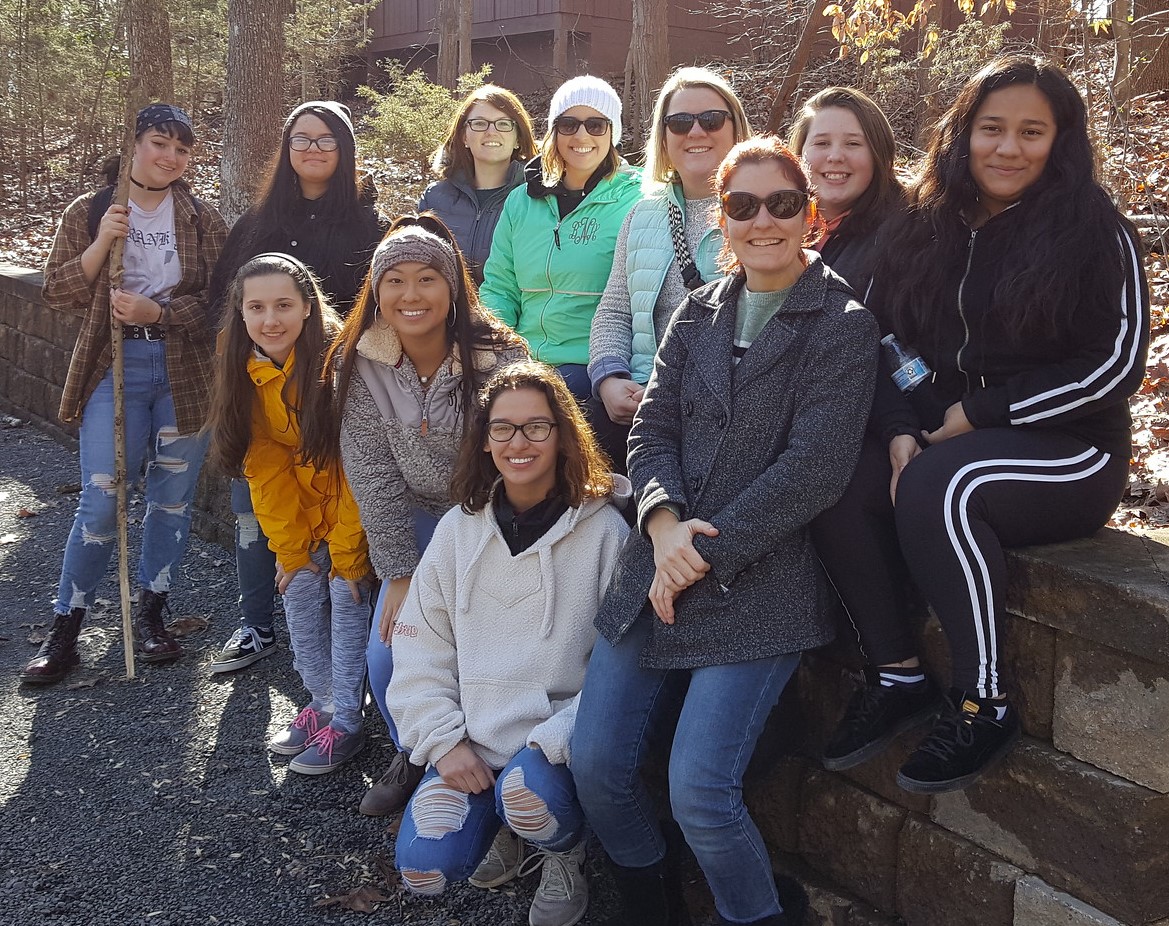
(70, 68)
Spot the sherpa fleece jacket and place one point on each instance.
(394, 463)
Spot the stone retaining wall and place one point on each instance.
(1071, 830)
(36, 343)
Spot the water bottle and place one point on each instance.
(909, 370)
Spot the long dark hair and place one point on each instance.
(307, 393)
(884, 192)
(1064, 236)
(340, 211)
(475, 327)
(582, 469)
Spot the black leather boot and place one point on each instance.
(154, 642)
(58, 654)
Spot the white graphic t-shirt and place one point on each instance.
(151, 261)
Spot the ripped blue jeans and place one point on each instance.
(446, 833)
(172, 471)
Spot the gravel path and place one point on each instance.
(153, 801)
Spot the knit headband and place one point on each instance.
(415, 243)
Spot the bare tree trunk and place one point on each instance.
(795, 67)
(1150, 53)
(649, 61)
(1121, 13)
(466, 17)
(253, 103)
(148, 35)
(447, 26)
(560, 53)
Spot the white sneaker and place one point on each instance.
(502, 861)
(563, 895)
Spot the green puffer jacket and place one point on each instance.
(546, 275)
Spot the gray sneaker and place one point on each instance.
(294, 739)
(328, 750)
(247, 645)
(563, 895)
(502, 862)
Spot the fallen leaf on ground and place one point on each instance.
(87, 682)
(186, 626)
(389, 873)
(27, 513)
(36, 638)
(363, 900)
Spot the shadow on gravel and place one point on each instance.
(154, 801)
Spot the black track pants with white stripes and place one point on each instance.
(959, 503)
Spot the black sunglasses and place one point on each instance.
(711, 121)
(570, 125)
(783, 204)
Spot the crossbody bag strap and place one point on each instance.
(691, 278)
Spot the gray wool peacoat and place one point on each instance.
(758, 449)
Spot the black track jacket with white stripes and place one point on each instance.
(1078, 382)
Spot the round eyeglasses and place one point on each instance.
(303, 143)
(783, 204)
(570, 125)
(482, 125)
(535, 431)
(710, 120)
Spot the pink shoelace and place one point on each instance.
(324, 740)
(308, 720)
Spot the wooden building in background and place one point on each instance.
(535, 44)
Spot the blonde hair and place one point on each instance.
(658, 168)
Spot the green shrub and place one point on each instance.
(407, 122)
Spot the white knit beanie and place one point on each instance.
(588, 91)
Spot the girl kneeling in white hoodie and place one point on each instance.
(492, 643)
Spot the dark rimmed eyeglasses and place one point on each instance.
(535, 431)
(482, 125)
(710, 120)
(783, 204)
(570, 125)
(303, 143)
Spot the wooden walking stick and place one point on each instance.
(117, 271)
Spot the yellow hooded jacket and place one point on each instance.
(298, 506)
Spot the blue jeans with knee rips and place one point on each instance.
(446, 833)
(723, 713)
(172, 462)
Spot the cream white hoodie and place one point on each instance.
(492, 648)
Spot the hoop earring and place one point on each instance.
(450, 318)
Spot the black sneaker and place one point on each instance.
(247, 645)
(967, 740)
(875, 716)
